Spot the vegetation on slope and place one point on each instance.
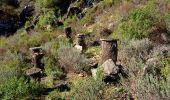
(143, 30)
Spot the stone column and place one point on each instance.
(81, 41)
(68, 32)
(36, 57)
(109, 50)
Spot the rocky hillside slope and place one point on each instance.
(85, 49)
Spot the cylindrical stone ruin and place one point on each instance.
(68, 32)
(36, 57)
(81, 41)
(109, 50)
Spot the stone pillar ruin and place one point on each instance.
(109, 50)
(37, 55)
(80, 43)
(36, 72)
(68, 32)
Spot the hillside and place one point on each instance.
(84, 49)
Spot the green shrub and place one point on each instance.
(89, 17)
(86, 89)
(147, 87)
(137, 25)
(46, 19)
(107, 3)
(136, 51)
(19, 88)
(72, 60)
(133, 54)
(8, 73)
(56, 95)
(3, 42)
(70, 20)
(150, 88)
(45, 3)
(14, 60)
(166, 69)
(93, 51)
(167, 20)
(52, 68)
(139, 21)
(34, 40)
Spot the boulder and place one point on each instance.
(110, 68)
(33, 71)
(78, 47)
(93, 72)
(165, 37)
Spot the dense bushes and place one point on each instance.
(87, 89)
(19, 88)
(47, 19)
(60, 54)
(72, 60)
(45, 3)
(134, 53)
(106, 3)
(149, 85)
(140, 20)
(52, 68)
(167, 20)
(13, 84)
(166, 68)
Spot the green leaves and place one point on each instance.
(19, 87)
(137, 24)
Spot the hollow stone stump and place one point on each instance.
(80, 43)
(37, 55)
(109, 50)
(68, 32)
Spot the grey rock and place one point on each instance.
(33, 71)
(78, 47)
(94, 71)
(165, 37)
(109, 67)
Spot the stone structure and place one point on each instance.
(109, 50)
(110, 67)
(37, 71)
(73, 11)
(37, 55)
(80, 43)
(68, 32)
